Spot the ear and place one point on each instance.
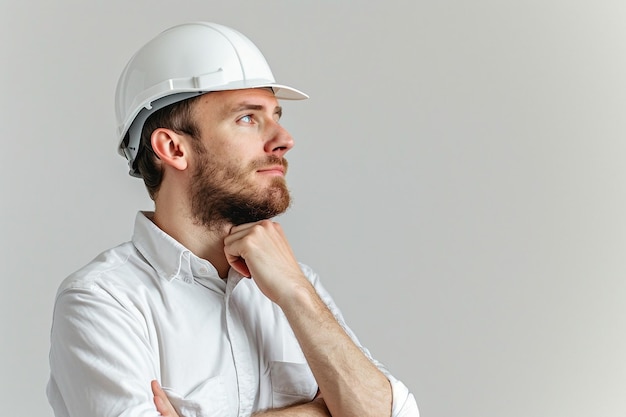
(170, 147)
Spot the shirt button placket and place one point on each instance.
(241, 354)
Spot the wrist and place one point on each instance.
(298, 296)
(303, 307)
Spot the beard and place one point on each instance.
(222, 195)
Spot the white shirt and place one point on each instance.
(150, 309)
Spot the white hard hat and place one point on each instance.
(182, 62)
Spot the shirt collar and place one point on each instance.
(170, 259)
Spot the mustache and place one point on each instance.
(270, 160)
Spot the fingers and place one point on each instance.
(246, 238)
(162, 403)
(160, 406)
(261, 250)
(239, 265)
(237, 232)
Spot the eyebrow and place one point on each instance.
(257, 107)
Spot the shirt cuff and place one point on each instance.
(403, 403)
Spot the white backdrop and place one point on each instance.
(459, 179)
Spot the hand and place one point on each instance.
(162, 403)
(260, 250)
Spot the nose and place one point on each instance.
(280, 140)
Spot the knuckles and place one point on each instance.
(257, 233)
(266, 226)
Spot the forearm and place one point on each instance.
(315, 408)
(349, 382)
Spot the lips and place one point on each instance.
(272, 164)
(276, 169)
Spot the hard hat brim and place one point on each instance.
(284, 92)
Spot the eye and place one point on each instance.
(246, 119)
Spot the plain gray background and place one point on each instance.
(459, 179)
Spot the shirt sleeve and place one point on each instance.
(101, 361)
(403, 403)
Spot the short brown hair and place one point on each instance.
(177, 117)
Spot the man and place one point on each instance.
(206, 312)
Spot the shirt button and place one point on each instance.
(203, 270)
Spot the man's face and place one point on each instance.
(238, 166)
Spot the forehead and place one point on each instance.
(225, 102)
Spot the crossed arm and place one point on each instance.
(315, 408)
(350, 384)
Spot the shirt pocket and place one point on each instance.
(206, 400)
(291, 383)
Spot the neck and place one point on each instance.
(204, 242)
